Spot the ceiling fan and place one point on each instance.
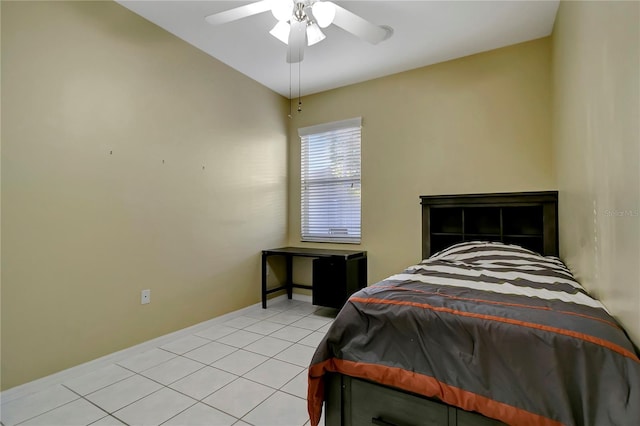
(300, 22)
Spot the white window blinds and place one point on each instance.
(330, 180)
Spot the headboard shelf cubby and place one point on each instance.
(529, 219)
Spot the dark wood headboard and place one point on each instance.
(529, 219)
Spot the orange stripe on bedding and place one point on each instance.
(495, 302)
(416, 383)
(591, 339)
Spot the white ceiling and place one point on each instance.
(425, 32)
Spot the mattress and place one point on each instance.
(491, 328)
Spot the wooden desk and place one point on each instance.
(337, 274)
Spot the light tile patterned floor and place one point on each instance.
(249, 370)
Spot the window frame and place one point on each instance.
(351, 130)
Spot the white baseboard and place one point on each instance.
(87, 367)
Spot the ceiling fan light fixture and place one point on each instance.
(314, 34)
(324, 12)
(282, 9)
(281, 31)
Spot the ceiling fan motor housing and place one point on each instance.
(299, 12)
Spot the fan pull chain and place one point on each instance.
(290, 107)
(299, 85)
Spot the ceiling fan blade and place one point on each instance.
(239, 12)
(297, 42)
(360, 27)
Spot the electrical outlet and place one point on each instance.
(145, 297)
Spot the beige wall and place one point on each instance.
(595, 62)
(476, 124)
(84, 230)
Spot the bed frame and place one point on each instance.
(529, 219)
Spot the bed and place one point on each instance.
(490, 328)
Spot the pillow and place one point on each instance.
(491, 252)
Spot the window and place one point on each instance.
(330, 180)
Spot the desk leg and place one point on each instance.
(289, 276)
(264, 281)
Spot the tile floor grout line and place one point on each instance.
(105, 386)
(236, 378)
(192, 349)
(119, 419)
(253, 409)
(208, 395)
(45, 412)
(177, 414)
(227, 413)
(54, 379)
(290, 310)
(296, 365)
(113, 414)
(243, 375)
(275, 390)
(109, 415)
(92, 403)
(155, 365)
(177, 380)
(272, 356)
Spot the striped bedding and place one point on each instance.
(491, 328)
